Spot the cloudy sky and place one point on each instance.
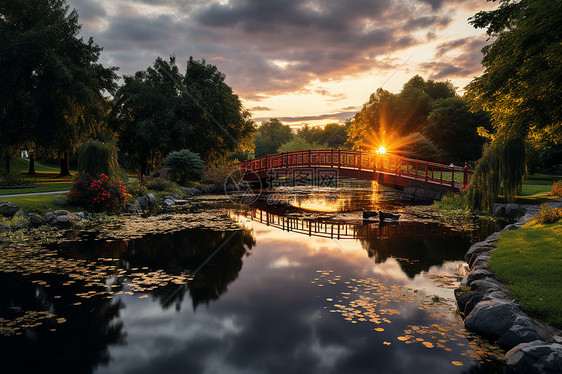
(313, 61)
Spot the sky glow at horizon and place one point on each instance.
(302, 61)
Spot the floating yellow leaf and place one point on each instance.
(457, 363)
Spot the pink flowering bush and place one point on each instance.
(98, 194)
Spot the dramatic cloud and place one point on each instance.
(456, 58)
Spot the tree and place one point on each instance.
(270, 136)
(185, 165)
(299, 143)
(160, 110)
(521, 87)
(51, 83)
(387, 118)
(453, 129)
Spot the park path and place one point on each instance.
(33, 193)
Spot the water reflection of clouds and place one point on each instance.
(274, 319)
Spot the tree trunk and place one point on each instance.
(31, 163)
(64, 166)
(7, 159)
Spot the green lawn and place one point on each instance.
(46, 178)
(529, 261)
(38, 203)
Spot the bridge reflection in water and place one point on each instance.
(339, 230)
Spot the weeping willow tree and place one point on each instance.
(500, 170)
(521, 88)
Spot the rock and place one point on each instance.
(61, 200)
(475, 275)
(59, 213)
(151, 200)
(61, 221)
(8, 209)
(522, 331)
(4, 228)
(513, 210)
(36, 220)
(535, 357)
(142, 203)
(492, 318)
(466, 301)
(487, 285)
(20, 225)
(513, 226)
(492, 238)
(480, 262)
(175, 196)
(498, 210)
(49, 216)
(168, 202)
(477, 248)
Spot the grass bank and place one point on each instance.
(529, 261)
(46, 178)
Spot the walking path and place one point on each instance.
(33, 193)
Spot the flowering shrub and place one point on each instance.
(216, 174)
(452, 201)
(98, 194)
(546, 215)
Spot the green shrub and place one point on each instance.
(557, 189)
(546, 215)
(98, 194)
(96, 158)
(185, 165)
(13, 180)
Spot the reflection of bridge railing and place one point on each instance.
(344, 230)
(362, 165)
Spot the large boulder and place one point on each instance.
(492, 318)
(522, 331)
(477, 248)
(36, 220)
(8, 209)
(475, 275)
(537, 357)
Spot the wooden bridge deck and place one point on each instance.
(329, 163)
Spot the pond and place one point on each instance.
(264, 288)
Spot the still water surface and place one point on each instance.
(262, 298)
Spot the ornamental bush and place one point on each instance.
(97, 158)
(141, 187)
(98, 194)
(185, 165)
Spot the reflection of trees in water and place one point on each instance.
(77, 346)
(177, 253)
(187, 251)
(418, 247)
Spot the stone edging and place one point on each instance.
(488, 310)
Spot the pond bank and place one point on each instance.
(489, 310)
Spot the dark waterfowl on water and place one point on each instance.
(368, 213)
(389, 216)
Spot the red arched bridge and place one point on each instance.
(329, 163)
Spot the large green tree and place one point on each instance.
(453, 128)
(270, 135)
(387, 118)
(51, 83)
(522, 88)
(160, 110)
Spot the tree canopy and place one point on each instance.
(386, 117)
(521, 88)
(270, 135)
(51, 83)
(160, 110)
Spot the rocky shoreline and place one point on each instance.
(489, 310)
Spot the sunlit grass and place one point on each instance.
(46, 178)
(529, 261)
(39, 203)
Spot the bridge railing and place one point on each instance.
(452, 176)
